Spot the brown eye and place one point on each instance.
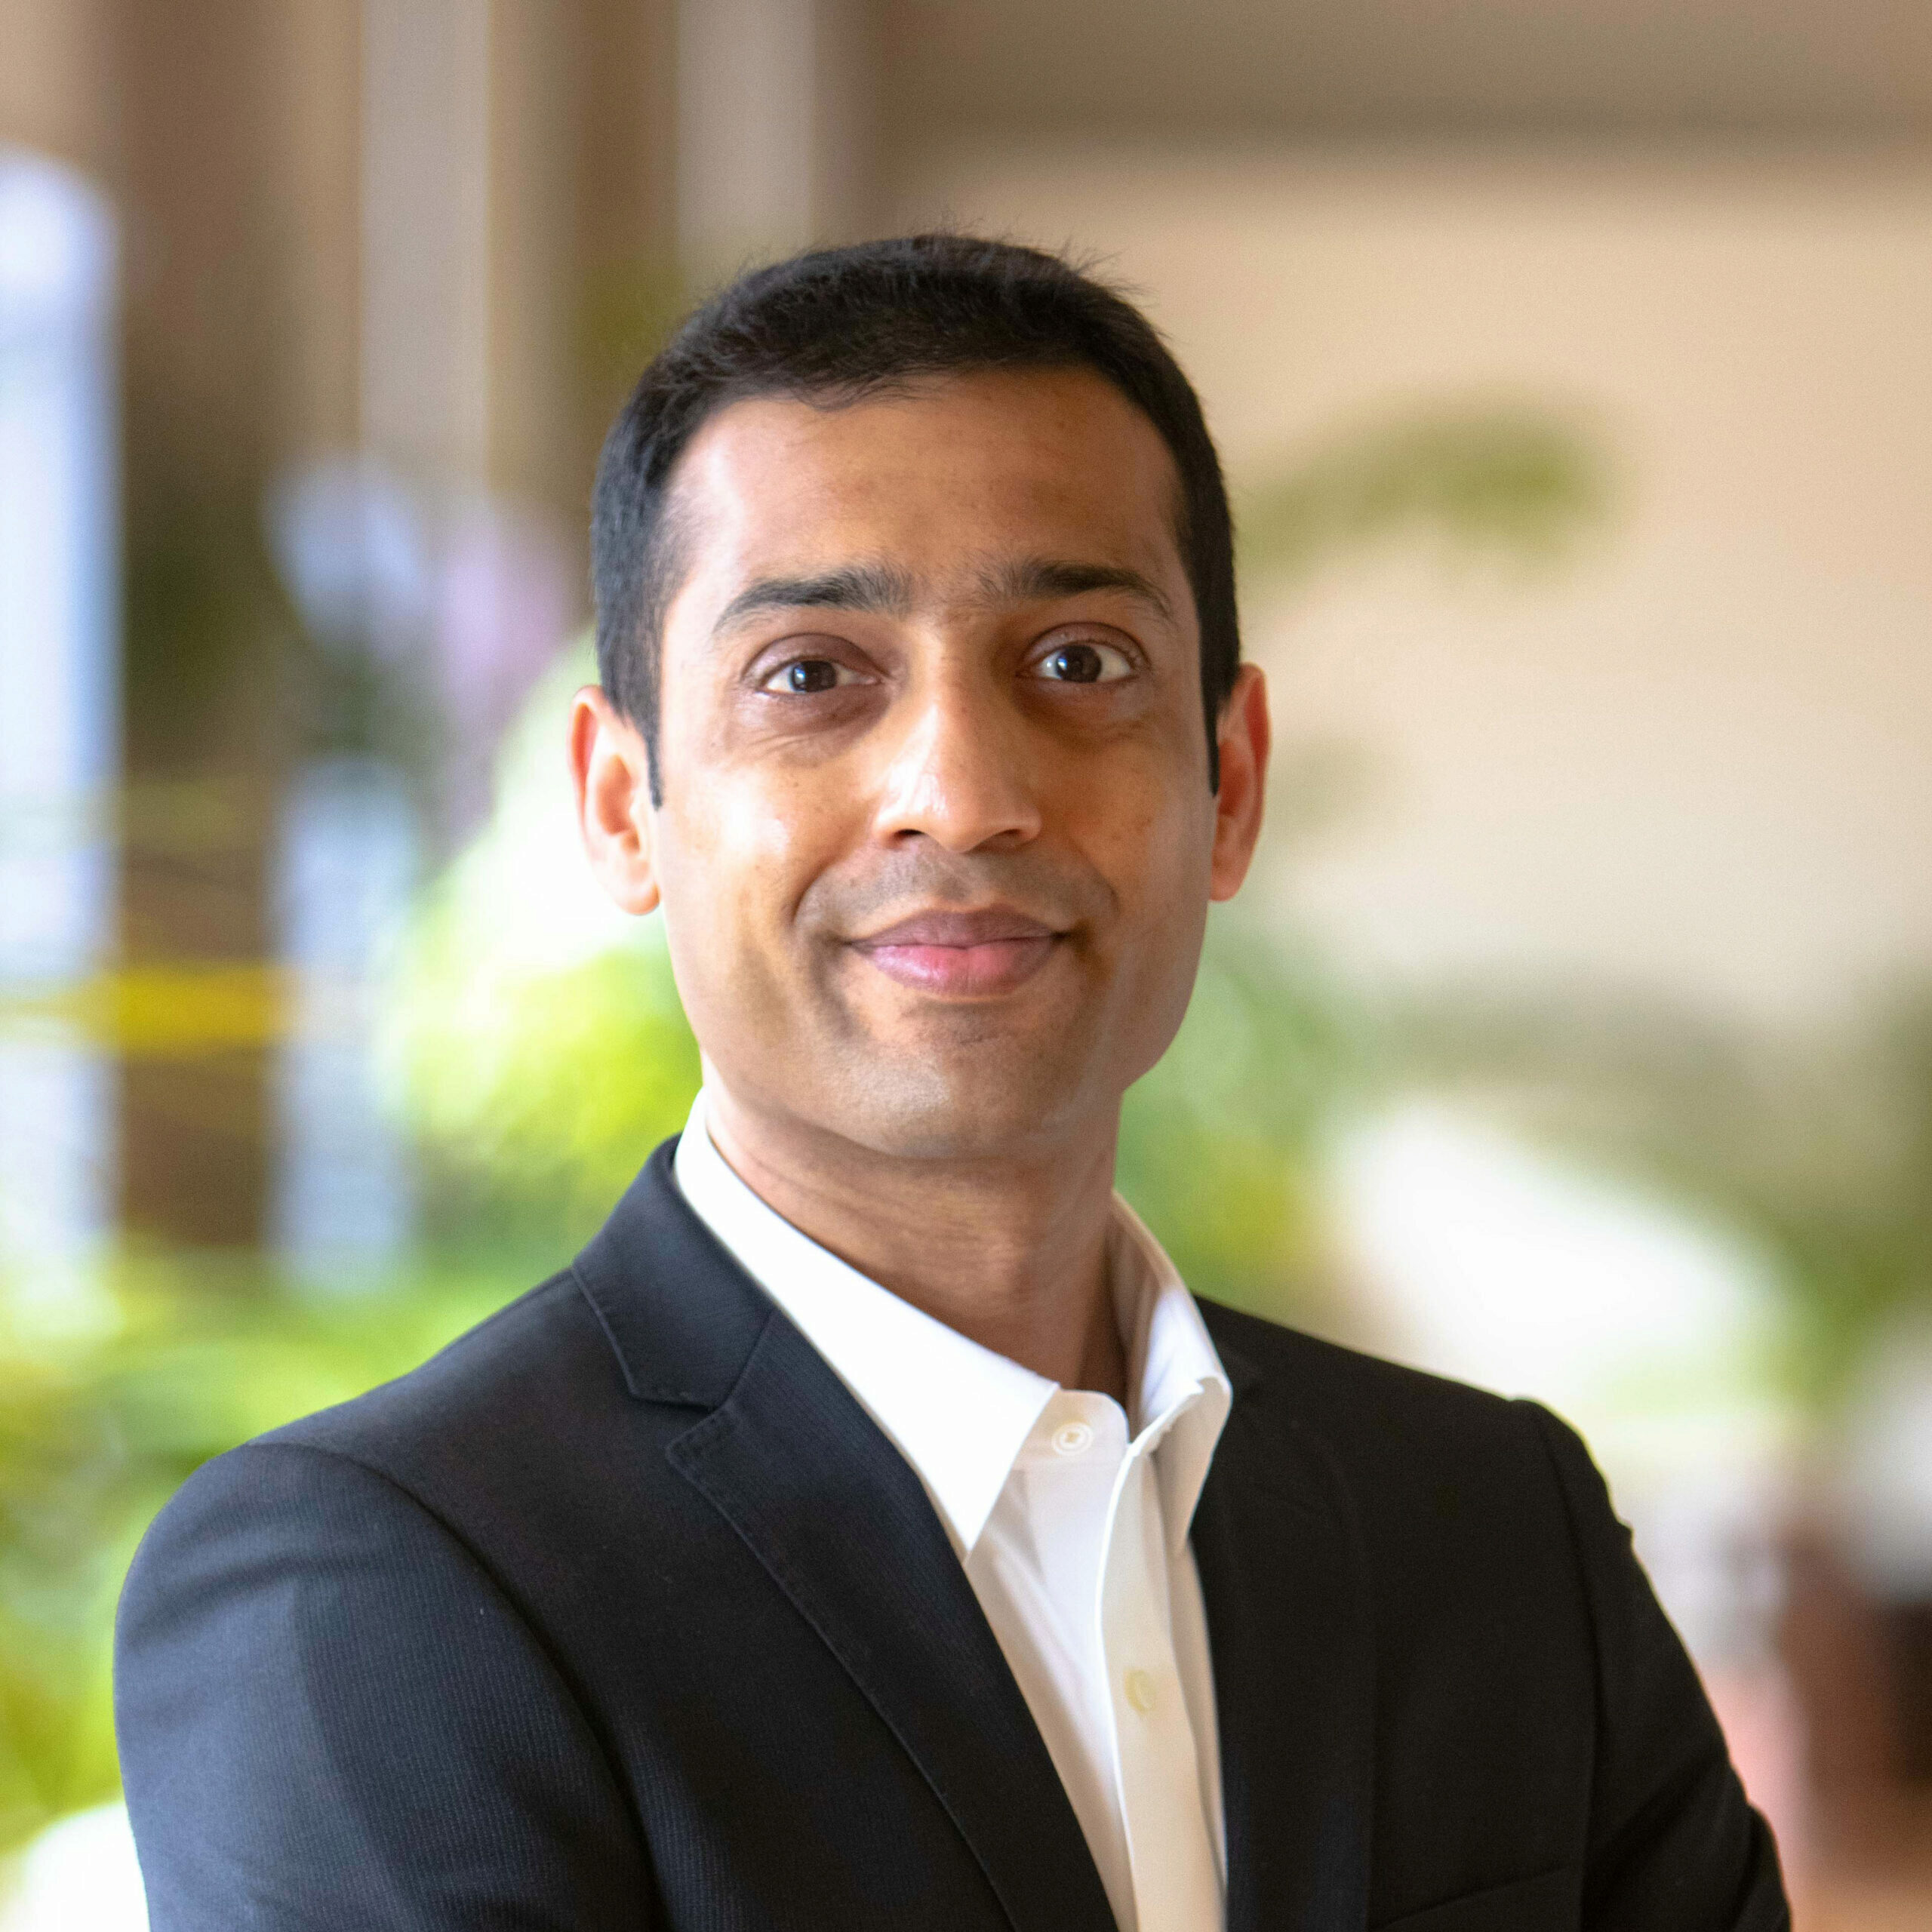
(1084, 663)
(806, 676)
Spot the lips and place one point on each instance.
(961, 953)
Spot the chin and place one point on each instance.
(982, 1104)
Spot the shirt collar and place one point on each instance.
(958, 1413)
(1181, 1393)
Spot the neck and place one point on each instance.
(1011, 1254)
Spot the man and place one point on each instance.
(869, 1529)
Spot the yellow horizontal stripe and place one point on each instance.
(167, 1012)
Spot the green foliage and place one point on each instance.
(97, 1431)
(1817, 1147)
(540, 1047)
(537, 1124)
(1218, 1142)
(1509, 480)
(64, 1508)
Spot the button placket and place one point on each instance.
(1175, 1873)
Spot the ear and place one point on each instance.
(613, 777)
(1244, 736)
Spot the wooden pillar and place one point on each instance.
(237, 179)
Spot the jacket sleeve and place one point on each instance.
(1674, 1844)
(330, 1716)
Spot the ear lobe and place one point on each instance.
(1243, 736)
(610, 771)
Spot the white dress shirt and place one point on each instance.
(1070, 1516)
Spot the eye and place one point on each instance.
(1085, 661)
(805, 677)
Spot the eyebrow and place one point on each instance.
(879, 588)
(886, 591)
(1037, 580)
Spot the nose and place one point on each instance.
(962, 772)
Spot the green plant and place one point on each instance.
(1219, 1142)
(1816, 1146)
(99, 1427)
(1507, 480)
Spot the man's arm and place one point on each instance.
(1675, 1845)
(330, 1716)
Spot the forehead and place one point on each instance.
(937, 479)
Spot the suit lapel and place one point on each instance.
(1282, 1577)
(842, 1523)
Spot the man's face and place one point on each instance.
(936, 840)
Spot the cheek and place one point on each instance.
(745, 846)
(774, 834)
(719, 873)
(1152, 837)
(1157, 854)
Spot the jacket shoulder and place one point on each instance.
(497, 1381)
(1429, 1462)
(1332, 1386)
(505, 1397)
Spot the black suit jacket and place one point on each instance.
(621, 1613)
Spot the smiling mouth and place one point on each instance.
(961, 954)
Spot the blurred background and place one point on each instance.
(1572, 361)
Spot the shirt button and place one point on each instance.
(1073, 1439)
(1140, 1690)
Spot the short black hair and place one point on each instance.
(836, 325)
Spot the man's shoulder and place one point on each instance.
(1394, 1434)
(495, 1415)
(1462, 1502)
(1332, 1383)
(520, 1369)
(651, 1307)
(550, 1409)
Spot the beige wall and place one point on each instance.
(1702, 759)
(54, 61)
